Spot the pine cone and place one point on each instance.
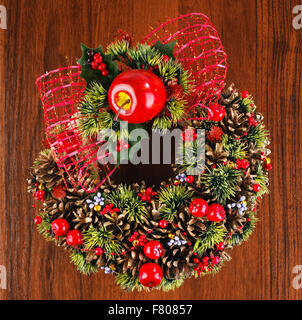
(235, 123)
(132, 260)
(217, 155)
(245, 186)
(230, 97)
(234, 221)
(98, 260)
(176, 262)
(120, 227)
(46, 171)
(193, 227)
(73, 208)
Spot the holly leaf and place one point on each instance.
(166, 49)
(90, 75)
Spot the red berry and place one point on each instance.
(74, 237)
(149, 190)
(118, 148)
(102, 66)
(162, 224)
(150, 275)
(153, 250)
(216, 212)
(94, 65)
(98, 251)
(245, 94)
(244, 164)
(38, 220)
(218, 112)
(60, 227)
(256, 187)
(198, 207)
(267, 167)
(105, 73)
(165, 58)
(220, 246)
(190, 179)
(205, 259)
(97, 58)
(144, 198)
(215, 260)
(196, 260)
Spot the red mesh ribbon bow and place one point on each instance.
(198, 48)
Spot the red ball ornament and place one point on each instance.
(153, 250)
(137, 95)
(98, 251)
(150, 275)
(60, 227)
(162, 224)
(199, 207)
(38, 220)
(256, 187)
(190, 179)
(74, 237)
(216, 212)
(220, 246)
(218, 112)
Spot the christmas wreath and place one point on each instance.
(150, 236)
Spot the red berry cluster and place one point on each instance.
(98, 64)
(252, 121)
(189, 135)
(40, 193)
(267, 164)
(204, 263)
(137, 240)
(109, 208)
(146, 195)
(242, 164)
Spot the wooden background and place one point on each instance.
(264, 57)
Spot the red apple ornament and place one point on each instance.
(218, 112)
(153, 250)
(74, 238)
(198, 207)
(137, 96)
(216, 212)
(150, 275)
(60, 227)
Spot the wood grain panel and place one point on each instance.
(264, 56)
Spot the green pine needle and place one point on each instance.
(177, 109)
(118, 48)
(45, 226)
(215, 233)
(172, 197)
(235, 148)
(101, 238)
(222, 181)
(257, 135)
(162, 123)
(247, 230)
(79, 260)
(128, 201)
